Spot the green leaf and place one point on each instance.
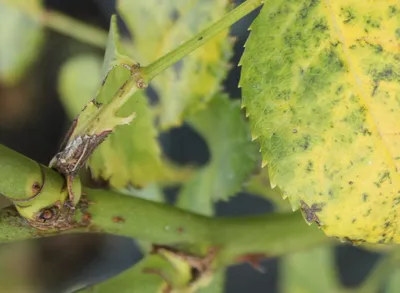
(393, 285)
(130, 155)
(310, 271)
(233, 155)
(321, 86)
(260, 185)
(78, 81)
(217, 284)
(157, 274)
(21, 38)
(98, 118)
(157, 28)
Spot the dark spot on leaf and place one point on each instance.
(367, 213)
(365, 197)
(351, 182)
(310, 166)
(348, 14)
(200, 38)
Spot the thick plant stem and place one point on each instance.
(118, 214)
(198, 40)
(62, 23)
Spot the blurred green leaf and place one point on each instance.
(79, 79)
(393, 285)
(155, 274)
(130, 155)
(260, 185)
(310, 271)
(21, 38)
(233, 155)
(160, 26)
(217, 284)
(115, 53)
(151, 192)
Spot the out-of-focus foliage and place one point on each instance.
(310, 271)
(233, 155)
(260, 184)
(393, 285)
(321, 85)
(79, 80)
(21, 38)
(160, 26)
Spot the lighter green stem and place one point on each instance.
(62, 23)
(198, 40)
(74, 28)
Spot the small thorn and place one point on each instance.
(263, 164)
(127, 120)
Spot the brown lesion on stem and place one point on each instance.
(253, 259)
(74, 155)
(36, 187)
(59, 217)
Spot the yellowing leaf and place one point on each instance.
(160, 26)
(321, 84)
(132, 155)
(20, 38)
(233, 155)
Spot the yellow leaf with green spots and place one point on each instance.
(158, 27)
(321, 85)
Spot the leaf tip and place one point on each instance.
(127, 120)
(263, 164)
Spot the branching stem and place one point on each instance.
(198, 40)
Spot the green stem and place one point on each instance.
(61, 23)
(270, 235)
(198, 40)
(74, 28)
